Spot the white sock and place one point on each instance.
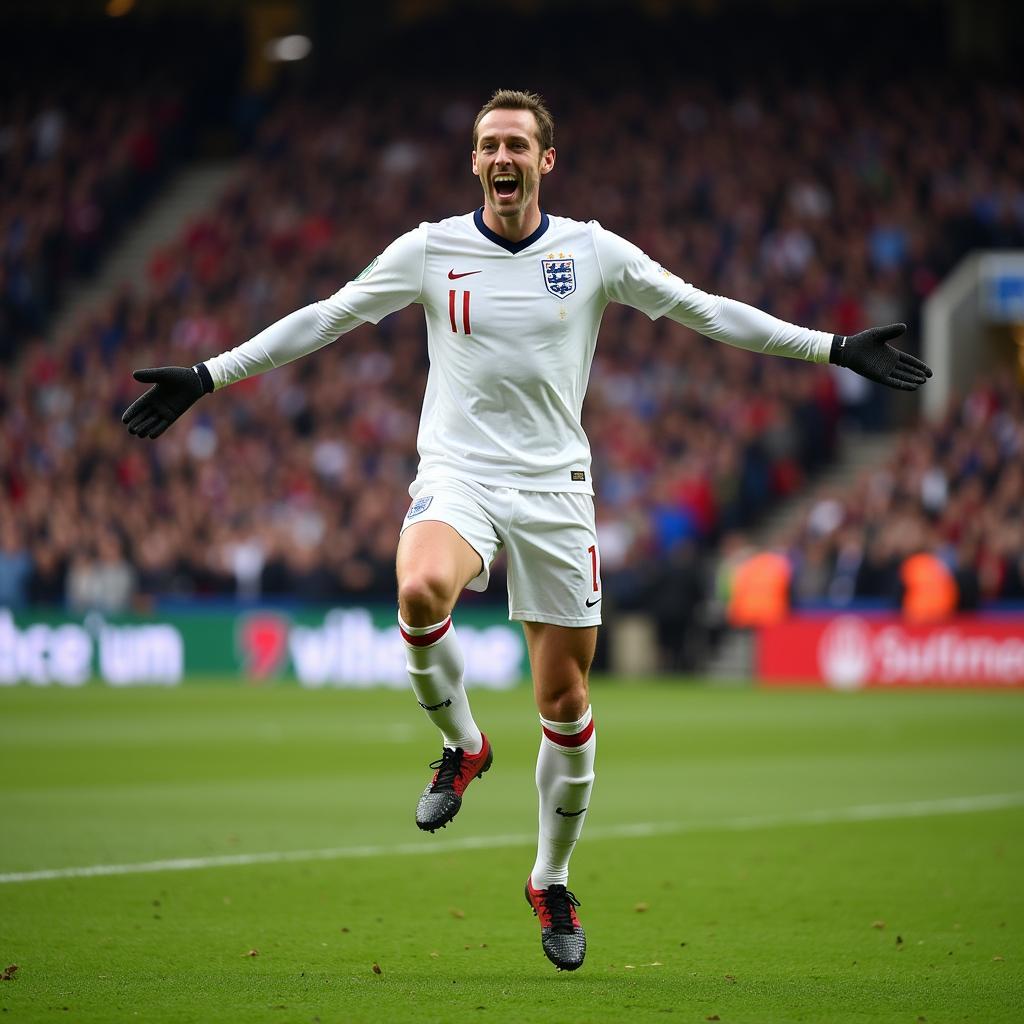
(434, 660)
(565, 777)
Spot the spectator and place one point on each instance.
(15, 566)
(100, 578)
(760, 590)
(929, 588)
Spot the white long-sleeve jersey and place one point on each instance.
(511, 333)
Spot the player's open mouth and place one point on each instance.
(505, 185)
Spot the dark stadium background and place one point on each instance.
(829, 162)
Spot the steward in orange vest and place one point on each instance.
(760, 590)
(930, 592)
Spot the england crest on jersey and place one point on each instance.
(559, 277)
(419, 505)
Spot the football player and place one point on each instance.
(513, 299)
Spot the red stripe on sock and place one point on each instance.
(575, 740)
(426, 639)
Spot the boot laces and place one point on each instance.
(448, 766)
(558, 902)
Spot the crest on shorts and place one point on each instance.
(419, 505)
(559, 276)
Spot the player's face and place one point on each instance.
(509, 161)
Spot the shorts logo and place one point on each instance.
(559, 276)
(419, 505)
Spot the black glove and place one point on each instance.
(870, 355)
(175, 389)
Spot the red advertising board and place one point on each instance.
(848, 652)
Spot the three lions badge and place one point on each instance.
(418, 506)
(559, 276)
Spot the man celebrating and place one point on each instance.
(513, 300)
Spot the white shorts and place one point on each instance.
(554, 568)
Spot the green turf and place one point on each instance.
(742, 914)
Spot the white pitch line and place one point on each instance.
(747, 823)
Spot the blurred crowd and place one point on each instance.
(76, 167)
(952, 491)
(835, 207)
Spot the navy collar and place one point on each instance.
(512, 247)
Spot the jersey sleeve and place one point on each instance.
(631, 277)
(391, 282)
(634, 279)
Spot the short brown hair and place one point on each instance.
(515, 99)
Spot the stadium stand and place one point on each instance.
(73, 170)
(803, 201)
(952, 491)
(87, 137)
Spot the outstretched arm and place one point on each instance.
(867, 353)
(635, 279)
(389, 283)
(177, 388)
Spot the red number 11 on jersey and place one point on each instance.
(465, 312)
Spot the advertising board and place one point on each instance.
(847, 652)
(352, 647)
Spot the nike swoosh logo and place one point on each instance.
(435, 707)
(569, 814)
(590, 604)
(452, 276)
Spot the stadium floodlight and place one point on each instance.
(288, 48)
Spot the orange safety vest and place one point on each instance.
(760, 590)
(929, 589)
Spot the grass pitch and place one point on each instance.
(749, 857)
